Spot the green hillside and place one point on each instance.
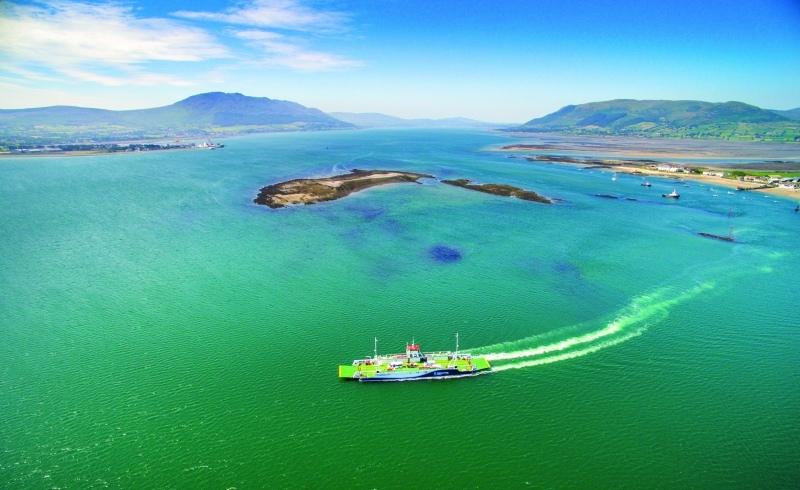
(793, 114)
(199, 115)
(669, 119)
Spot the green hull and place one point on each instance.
(366, 372)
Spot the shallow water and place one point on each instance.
(157, 329)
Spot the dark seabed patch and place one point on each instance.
(443, 253)
(367, 213)
(566, 268)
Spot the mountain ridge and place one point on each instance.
(670, 119)
(198, 115)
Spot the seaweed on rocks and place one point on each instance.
(499, 190)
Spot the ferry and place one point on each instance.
(414, 365)
(674, 194)
(208, 145)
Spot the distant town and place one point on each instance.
(109, 148)
(765, 178)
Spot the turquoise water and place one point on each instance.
(158, 330)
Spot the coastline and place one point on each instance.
(639, 157)
(87, 153)
(708, 179)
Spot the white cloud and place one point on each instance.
(16, 96)
(131, 78)
(283, 52)
(63, 31)
(107, 44)
(85, 41)
(278, 14)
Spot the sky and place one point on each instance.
(498, 61)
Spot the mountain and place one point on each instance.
(199, 115)
(376, 120)
(670, 119)
(793, 114)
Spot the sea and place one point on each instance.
(160, 330)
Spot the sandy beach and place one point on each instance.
(629, 155)
(708, 179)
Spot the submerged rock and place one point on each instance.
(443, 253)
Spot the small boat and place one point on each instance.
(672, 195)
(614, 177)
(797, 208)
(646, 184)
(729, 192)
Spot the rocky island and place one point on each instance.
(309, 191)
(499, 190)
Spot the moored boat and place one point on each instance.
(673, 195)
(414, 365)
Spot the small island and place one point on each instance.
(717, 237)
(499, 190)
(310, 191)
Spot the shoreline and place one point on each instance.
(629, 161)
(100, 151)
(709, 179)
(87, 153)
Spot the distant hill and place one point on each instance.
(376, 120)
(669, 119)
(199, 115)
(793, 114)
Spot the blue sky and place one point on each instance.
(501, 61)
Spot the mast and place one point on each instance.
(454, 362)
(375, 359)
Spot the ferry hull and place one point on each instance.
(372, 373)
(414, 376)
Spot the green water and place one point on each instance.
(158, 330)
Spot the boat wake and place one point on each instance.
(629, 323)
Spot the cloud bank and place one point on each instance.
(108, 44)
